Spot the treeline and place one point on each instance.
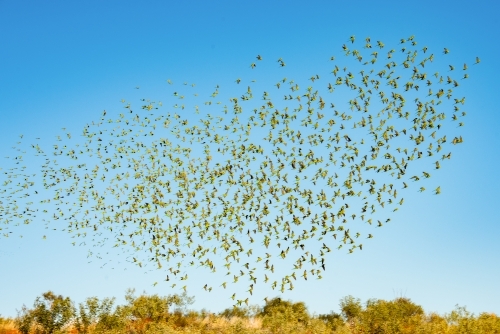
(154, 314)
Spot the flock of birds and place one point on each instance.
(273, 178)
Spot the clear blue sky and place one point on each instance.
(62, 63)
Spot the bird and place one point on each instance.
(251, 185)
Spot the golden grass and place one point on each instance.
(7, 326)
(215, 324)
(221, 322)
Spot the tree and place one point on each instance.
(235, 311)
(397, 316)
(332, 319)
(51, 313)
(146, 309)
(350, 307)
(98, 315)
(283, 316)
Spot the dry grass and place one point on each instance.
(7, 326)
(216, 322)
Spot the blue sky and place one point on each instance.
(62, 64)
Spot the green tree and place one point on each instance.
(235, 311)
(332, 320)
(98, 315)
(146, 309)
(462, 321)
(24, 320)
(282, 316)
(397, 316)
(434, 324)
(351, 308)
(488, 323)
(51, 313)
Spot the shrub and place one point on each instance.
(50, 314)
(462, 321)
(488, 323)
(235, 311)
(397, 316)
(351, 307)
(433, 324)
(97, 315)
(332, 320)
(281, 316)
(145, 309)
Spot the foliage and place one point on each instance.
(144, 310)
(397, 316)
(282, 316)
(464, 322)
(488, 323)
(51, 313)
(98, 315)
(235, 311)
(433, 324)
(350, 307)
(149, 308)
(154, 314)
(332, 320)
